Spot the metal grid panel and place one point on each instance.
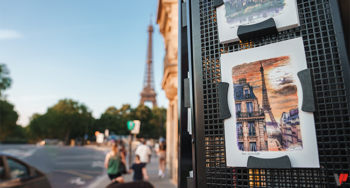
(331, 118)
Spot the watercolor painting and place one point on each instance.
(266, 106)
(265, 99)
(239, 12)
(235, 13)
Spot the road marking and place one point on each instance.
(81, 175)
(20, 153)
(100, 180)
(77, 181)
(97, 164)
(90, 171)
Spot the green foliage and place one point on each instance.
(113, 120)
(158, 120)
(18, 136)
(116, 120)
(5, 80)
(69, 120)
(8, 119)
(65, 120)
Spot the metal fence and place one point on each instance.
(326, 57)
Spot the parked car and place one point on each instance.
(16, 173)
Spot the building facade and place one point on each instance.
(290, 128)
(251, 126)
(167, 19)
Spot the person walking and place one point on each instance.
(141, 142)
(139, 169)
(123, 150)
(161, 152)
(144, 152)
(113, 161)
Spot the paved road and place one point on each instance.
(64, 166)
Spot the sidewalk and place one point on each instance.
(152, 170)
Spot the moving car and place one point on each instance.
(16, 173)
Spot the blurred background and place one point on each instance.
(72, 70)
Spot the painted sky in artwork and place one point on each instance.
(280, 84)
(240, 12)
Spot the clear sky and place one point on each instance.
(86, 50)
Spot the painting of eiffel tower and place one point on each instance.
(266, 104)
(148, 93)
(273, 123)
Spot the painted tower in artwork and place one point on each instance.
(266, 104)
(251, 127)
(148, 93)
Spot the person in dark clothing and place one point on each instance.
(139, 169)
(123, 150)
(135, 184)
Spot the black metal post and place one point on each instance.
(185, 146)
(130, 141)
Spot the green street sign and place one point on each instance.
(131, 125)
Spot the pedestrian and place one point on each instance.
(120, 141)
(156, 147)
(113, 161)
(133, 184)
(144, 152)
(141, 141)
(123, 150)
(161, 157)
(148, 143)
(139, 169)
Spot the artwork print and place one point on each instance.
(266, 106)
(234, 13)
(265, 99)
(240, 12)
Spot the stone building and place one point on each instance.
(167, 19)
(290, 128)
(251, 126)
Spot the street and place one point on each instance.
(64, 166)
(74, 167)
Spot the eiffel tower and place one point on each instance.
(148, 93)
(266, 104)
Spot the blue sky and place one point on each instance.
(87, 50)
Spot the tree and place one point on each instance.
(5, 80)
(152, 121)
(111, 120)
(159, 120)
(8, 119)
(114, 120)
(36, 129)
(67, 119)
(144, 114)
(9, 130)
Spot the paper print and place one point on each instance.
(265, 99)
(234, 13)
(266, 106)
(240, 12)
